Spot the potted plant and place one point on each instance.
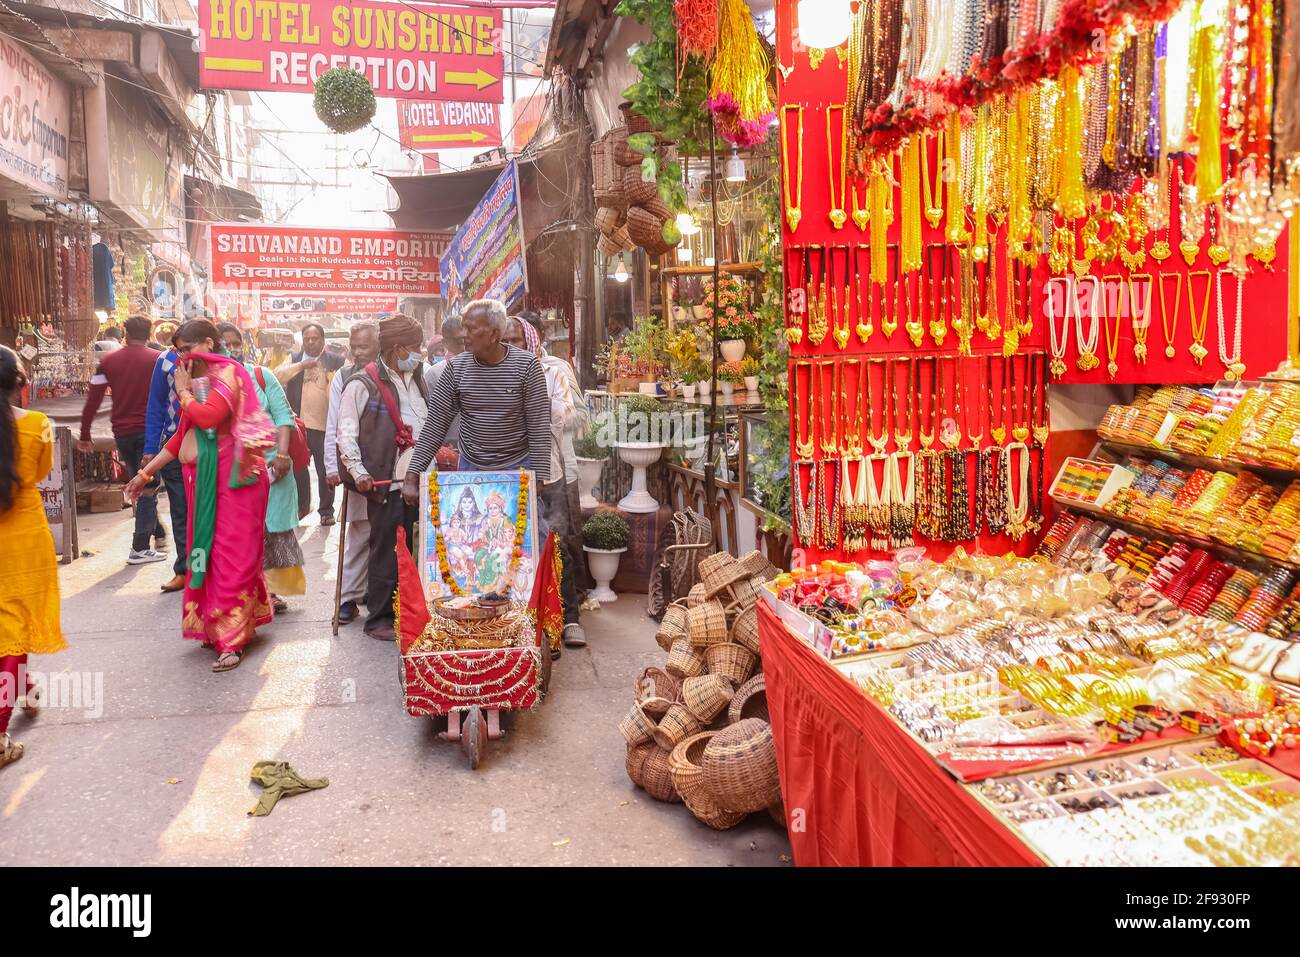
(681, 312)
(735, 320)
(592, 457)
(639, 445)
(729, 375)
(695, 374)
(604, 538)
(645, 344)
(679, 347)
(749, 369)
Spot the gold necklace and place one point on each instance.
(1170, 328)
(903, 436)
(860, 215)
(1142, 325)
(1197, 348)
(837, 215)
(889, 321)
(877, 442)
(830, 447)
(804, 448)
(927, 438)
(999, 431)
(936, 291)
(851, 447)
(840, 292)
(817, 325)
(793, 206)
(912, 324)
(1160, 249)
(864, 326)
(1112, 329)
(933, 197)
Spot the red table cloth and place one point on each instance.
(857, 789)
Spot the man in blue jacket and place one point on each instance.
(162, 417)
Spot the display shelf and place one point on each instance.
(1250, 560)
(1202, 461)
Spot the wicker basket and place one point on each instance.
(744, 593)
(655, 708)
(677, 724)
(739, 767)
(637, 727)
(706, 624)
(608, 247)
(652, 774)
(688, 778)
(731, 661)
(749, 701)
(623, 238)
(636, 123)
(757, 565)
(672, 627)
(706, 695)
(695, 595)
(744, 629)
(656, 683)
(718, 571)
(625, 155)
(609, 219)
(684, 661)
(607, 176)
(643, 228)
(658, 208)
(636, 189)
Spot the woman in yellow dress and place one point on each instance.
(29, 577)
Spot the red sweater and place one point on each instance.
(127, 371)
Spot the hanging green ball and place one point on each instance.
(344, 99)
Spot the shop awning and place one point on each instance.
(27, 31)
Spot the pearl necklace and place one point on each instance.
(903, 513)
(1058, 343)
(1236, 368)
(1088, 360)
(1016, 513)
(879, 499)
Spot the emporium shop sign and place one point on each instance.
(312, 260)
(35, 110)
(406, 50)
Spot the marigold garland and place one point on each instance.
(516, 552)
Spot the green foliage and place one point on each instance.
(672, 235)
(606, 531)
(636, 405)
(643, 143)
(645, 343)
(749, 366)
(772, 438)
(344, 100)
(589, 447)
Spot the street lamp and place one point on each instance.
(620, 270)
(735, 171)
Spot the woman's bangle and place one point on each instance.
(145, 474)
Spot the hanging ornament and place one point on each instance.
(738, 98)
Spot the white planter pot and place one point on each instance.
(751, 383)
(639, 455)
(733, 350)
(701, 312)
(705, 387)
(727, 389)
(688, 391)
(679, 313)
(603, 566)
(588, 475)
(648, 388)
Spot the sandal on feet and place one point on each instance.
(10, 750)
(228, 661)
(279, 605)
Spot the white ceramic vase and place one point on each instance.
(688, 391)
(603, 566)
(751, 383)
(733, 350)
(727, 389)
(639, 455)
(588, 476)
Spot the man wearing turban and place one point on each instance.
(382, 411)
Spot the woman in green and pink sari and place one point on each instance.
(221, 443)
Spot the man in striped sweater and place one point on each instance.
(500, 394)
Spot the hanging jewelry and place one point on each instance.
(935, 287)
(1191, 220)
(861, 217)
(855, 512)
(965, 328)
(1039, 427)
(1058, 343)
(879, 501)
(793, 202)
(933, 196)
(830, 445)
(829, 521)
(1019, 427)
(1197, 348)
(864, 326)
(878, 441)
(1087, 344)
(1141, 323)
(927, 438)
(1217, 251)
(804, 446)
(1017, 507)
(805, 512)
(1236, 368)
(817, 322)
(1170, 328)
(840, 310)
(1137, 232)
(797, 306)
(1111, 329)
(998, 409)
(903, 430)
(851, 446)
(837, 214)
(889, 321)
(909, 238)
(1160, 249)
(993, 481)
(902, 520)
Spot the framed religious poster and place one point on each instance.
(478, 530)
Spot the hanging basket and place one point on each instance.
(608, 247)
(706, 624)
(624, 239)
(688, 778)
(636, 123)
(731, 661)
(660, 210)
(739, 767)
(706, 695)
(683, 660)
(606, 175)
(609, 219)
(643, 228)
(749, 701)
(677, 724)
(344, 99)
(638, 190)
(625, 155)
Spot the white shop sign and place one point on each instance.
(35, 114)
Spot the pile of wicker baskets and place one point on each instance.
(631, 212)
(698, 728)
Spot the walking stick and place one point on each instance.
(338, 579)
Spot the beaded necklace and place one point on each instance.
(1235, 367)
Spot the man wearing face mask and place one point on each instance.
(380, 414)
(306, 381)
(363, 340)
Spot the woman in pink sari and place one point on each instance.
(221, 444)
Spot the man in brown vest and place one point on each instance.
(381, 412)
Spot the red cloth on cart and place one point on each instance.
(412, 610)
(545, 605)
(857, 789)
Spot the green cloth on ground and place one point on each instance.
(280, 780)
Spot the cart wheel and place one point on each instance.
(546, 669)
(474, 737)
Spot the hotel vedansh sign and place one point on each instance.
(306, 259)
(407, 50)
